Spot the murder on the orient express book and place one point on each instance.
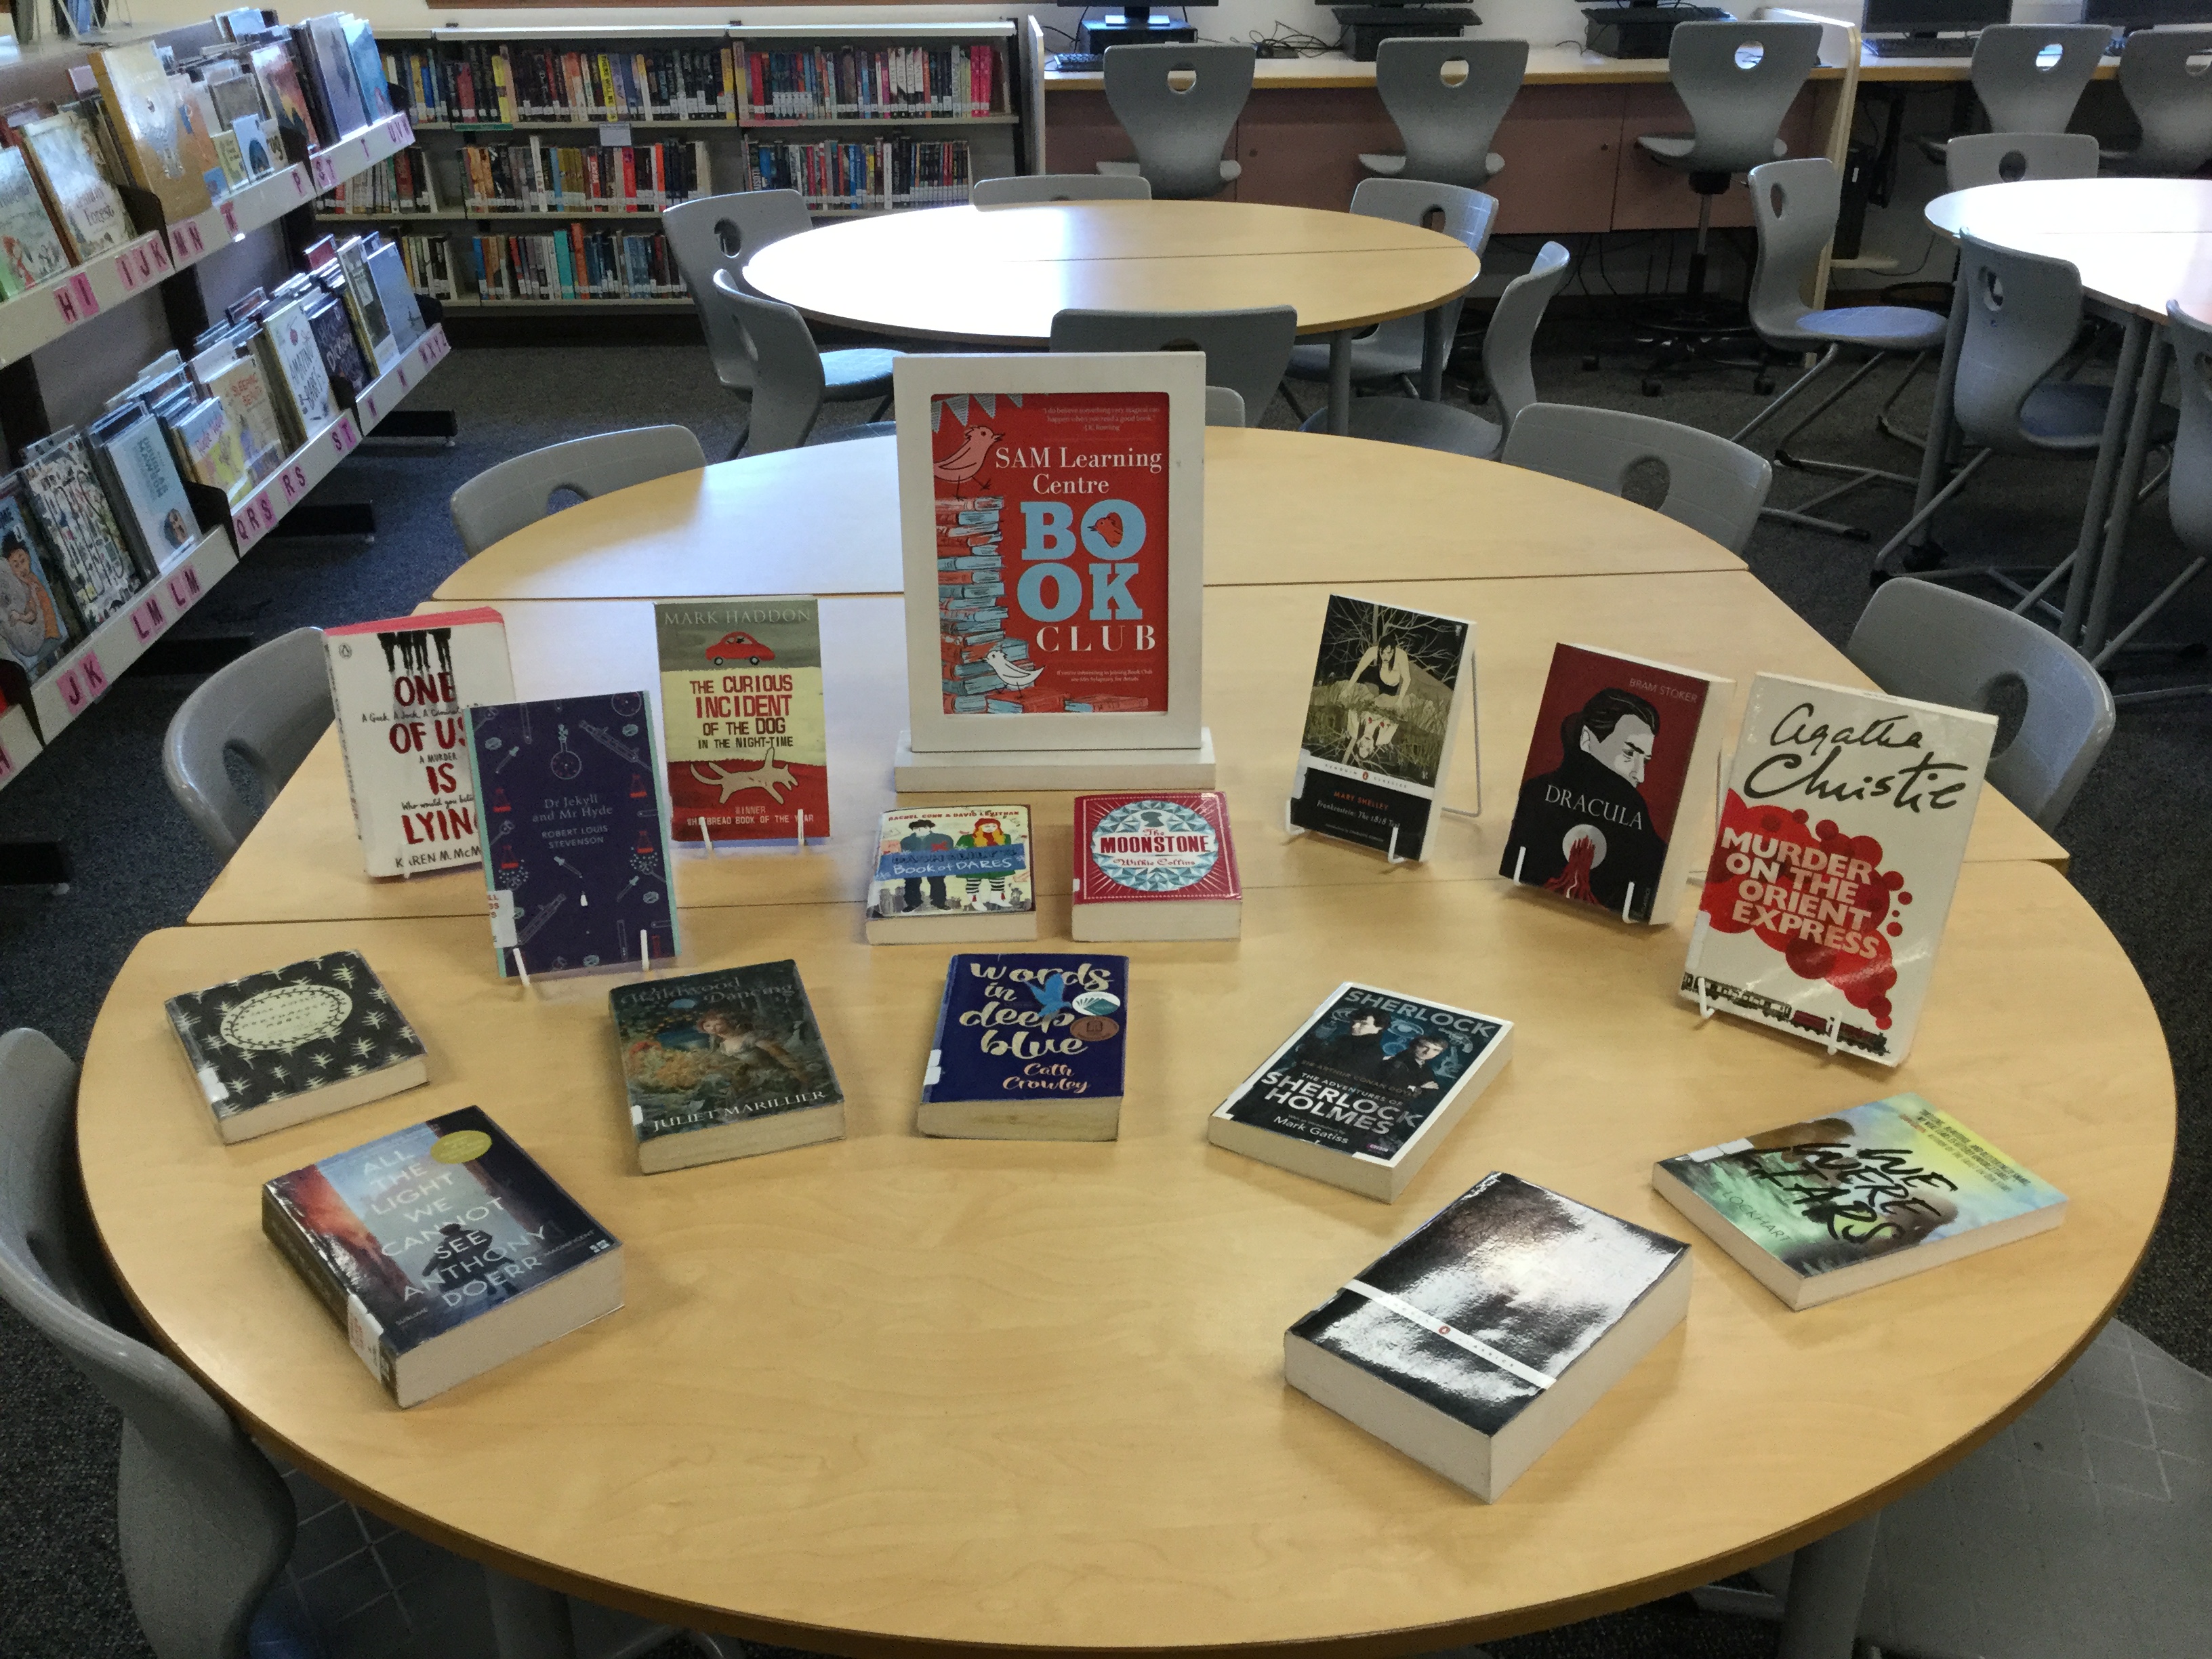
(1382, 716)
(278, 1048)
(1817, 1210)
(397, 691)
(1365, 1090)
(952, 874)
(741, 704)
(1028, 1047)
(574, 855)
(1840, 841)
(442, 1251)
(1476, 1342)
(1624, 758)
(722, 1065)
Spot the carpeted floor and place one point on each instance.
(140, 866)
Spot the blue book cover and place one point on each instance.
(1030, 1028)
(574, 846)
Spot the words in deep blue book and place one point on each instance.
(1030, 1027)
(574, 848)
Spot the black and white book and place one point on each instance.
(1365, 1090)
(296, 1042)
(1483, 1336)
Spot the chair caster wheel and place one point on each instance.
(1652, 388)
(1876, 577)
(1762, 386)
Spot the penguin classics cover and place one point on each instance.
(1052, 551)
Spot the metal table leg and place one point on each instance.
(2098, 621)
(1436, 351)
(2134, 343)
(1827, 1583)
(1935, 455)
(1339, 381)
(528, 1621)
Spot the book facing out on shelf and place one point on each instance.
(296, 1042)
(78, 526)
(952, 874)
(295, 365)
(1484, 1335)
(1382, 719)
(574, 843)
(65, 157)
(1028, 1047)
(36, 623)
(1158, 866)
(1365, 1090)
(397, 688)
(389, 273)
(132, 456)
(1621, 765)
(1840, 841)
(149, 128)
(31, 248)
(442, 1251)
(741, 705)
(365, 305)
(1818, 1210)
(724, 1064)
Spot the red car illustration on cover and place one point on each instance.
(731, 645)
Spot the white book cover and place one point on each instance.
(397, 688)
(152, 494)
(300, 363)
(1841, 835)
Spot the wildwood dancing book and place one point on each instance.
(1479, 1339)
(741, 706)
(1623, 759)
(397, 691)
(442, 1251)
(1381, 720)
(1028, 1047)
(1365, 1090)
(1817, 1210)
(1840, 840)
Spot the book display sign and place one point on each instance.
(741, 708)
(1050, 512)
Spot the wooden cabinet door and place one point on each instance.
(1081, 132)
(1302, 148)
(1560, 145)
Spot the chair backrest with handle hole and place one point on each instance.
(1712, 486)
(1930, 643)
(787, 375)
(1027, 190)
(503, 499)
(1224, 407)
(709, 234)
(1508, 343)
(2166, 75)
(268, 708)
(1179, 105)
(203, 1520)
(1246, 351)
(1466, 215)
(2023, 314)
(1446, 98)
(2189, 488)
(1794, 205)
(2029, 77)
(1738, 81)
(1975, 158)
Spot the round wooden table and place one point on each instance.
(887, 1394)
(997, 276)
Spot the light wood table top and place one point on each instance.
(887, 1393)
(1281, 506)
(303, 861)
(2138, 243)
(996, 276)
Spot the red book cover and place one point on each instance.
(1170, 844)
(1054, 506)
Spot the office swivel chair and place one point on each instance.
(266, 710)
(2172, 104)
(1029, 188)
(1738, 81)
(2019, 92)
(1447, 124)
(789, 373)
(1245, 350)
(1179, 129)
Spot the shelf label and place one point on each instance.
(183, 588)
(614, 138)
(400, 130)
(137, 266)
(229, 218)
(82, 681)
(95, 677)
(342, 435)
(326, 176)
(148, 620)
(294, 479)
(186, 241)
(369, 408)
(434, 348)
(252, 521)
(75, 299)
(367, 156)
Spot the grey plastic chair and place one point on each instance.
(1224, 407)
(268, 708)
(1245, 350)
(1975, 158)
(501, 500)
(1714, 486)
(1446, 126)
(1506, 347)
(1794, 204)
(709, 234)
(788, 385)
(1917, 639)
(2189, 490)
(1178, 132)
(1029, 188)
(2172, 102)
(1394, 350)
(2021, 93)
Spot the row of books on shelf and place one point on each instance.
(398, 185)
(429, 263)
(821, 83)
(576, 263)
(542, 178)
(882, 173)
(490, 84)
(188, 134)
(96, 514)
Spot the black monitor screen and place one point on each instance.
(1932, 17)
(2146, 14)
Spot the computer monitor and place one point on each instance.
(2120, 15)
(1932, 17)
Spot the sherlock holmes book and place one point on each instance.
(1840, 841)
(443, 1250)
(1028, 1047)
(1365, 1090)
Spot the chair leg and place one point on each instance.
(1827, 360)
(1958, 483)
(743, 432)
(1298, 415)
(882, 406)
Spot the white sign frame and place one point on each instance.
(918, 378)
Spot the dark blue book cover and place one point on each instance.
(1030, 1027)
(574, 850)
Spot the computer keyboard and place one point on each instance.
(1921, 46)
(1079, 63)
